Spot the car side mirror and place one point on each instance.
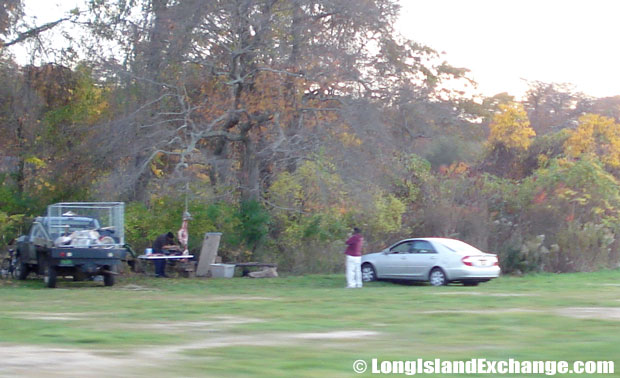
(385, 251)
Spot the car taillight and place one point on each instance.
(62, 254)
(467, 261)
(496, 261)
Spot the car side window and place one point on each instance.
(405, 247)
(38, 236)
(37, 231)
(423, 246)
(31, 231)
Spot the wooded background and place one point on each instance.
(283, 123)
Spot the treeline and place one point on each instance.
(284, 123)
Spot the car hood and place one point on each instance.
(371, 256)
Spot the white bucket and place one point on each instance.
(222, 270)
(148, 251)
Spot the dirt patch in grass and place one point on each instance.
(171, 352)
(222, 298)
(337, 335)
(36, 361)
(486, 294)
(479, 312)
(216, 324)
(133, 287)
(60, 316)
(603, 313)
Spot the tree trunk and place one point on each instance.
(250, 177)
(20, 176)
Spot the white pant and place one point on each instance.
(354, 271)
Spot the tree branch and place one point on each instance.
(33, 32)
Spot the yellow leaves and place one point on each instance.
(543, 160)
(203, 177)
(313, 187)
(41, 184)
(287, 191)
(388, 211)
(511, 127)
(156, 171)
(595, 135)
(156, 164)
(349, 140)
(35, 161)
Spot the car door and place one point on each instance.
(395, 262)
(422, 259)
(27, 244)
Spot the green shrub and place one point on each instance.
(583, 248)
(446, 150)
(254, 223)
(243, 227)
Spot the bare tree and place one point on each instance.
(552, 107)
(249, 87)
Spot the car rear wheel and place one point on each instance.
(108, 279)
(368, 273)
(50, 276)
(437, 277)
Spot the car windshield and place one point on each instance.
(458, 246)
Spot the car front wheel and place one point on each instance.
(368, 273)
(437, 277)
(21, 270)
(6, 267)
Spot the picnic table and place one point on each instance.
(155, 256)
(185, 268)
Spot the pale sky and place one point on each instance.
(502, 41)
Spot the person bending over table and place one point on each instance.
(162, 245)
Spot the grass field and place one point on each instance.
(299, 326)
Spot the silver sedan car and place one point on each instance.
(437, 260)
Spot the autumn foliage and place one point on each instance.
(283, 124)
(511, 127)
(598, 136)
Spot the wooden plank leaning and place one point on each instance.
(210, 245)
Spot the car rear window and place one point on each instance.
(459, 246)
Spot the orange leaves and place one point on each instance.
(455, 169)
(540, 197)
(268, 92)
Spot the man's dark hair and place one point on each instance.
(356, 230)
(170, 235)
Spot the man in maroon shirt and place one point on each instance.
(354, 259)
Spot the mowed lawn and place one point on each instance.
(308, 326)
